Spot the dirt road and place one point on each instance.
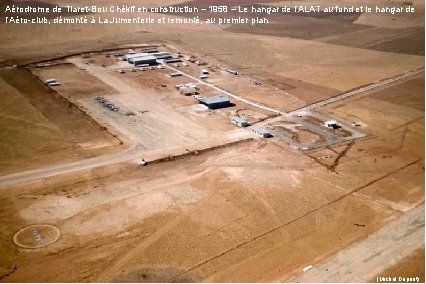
(136, 152)
(368, 258)
(21, 177)
(361, 90)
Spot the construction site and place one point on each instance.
(286, 152)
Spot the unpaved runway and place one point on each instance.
(361, 90)
(136, 152)
(20, 177)
(371, 256)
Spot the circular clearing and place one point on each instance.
(36, 236)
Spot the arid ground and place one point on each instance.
(216, 202)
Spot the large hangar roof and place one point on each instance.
(216, 99)
(146, 57)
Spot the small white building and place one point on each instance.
(205, 71)
(175, 74)
(332, 124)
(52, 82)
(232, 71)
(261, 132)
(188, 91)
(239, 121)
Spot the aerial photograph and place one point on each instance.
(212, 141)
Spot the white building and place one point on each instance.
(239, 121)
(261, 132)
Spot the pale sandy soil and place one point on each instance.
(255, 211)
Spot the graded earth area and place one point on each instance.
(166, 189)
(223, 215)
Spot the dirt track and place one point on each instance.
(362, 89)
(250, 212)
(135, 153)
(367, 258)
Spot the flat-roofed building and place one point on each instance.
(145, 60)
(332, 124)
(175, 74)
(130, 56)
(260, 131)
(239, 121)
(188, 91)
(162, 55)
(215, 102)
(232, 71)
(172, 60)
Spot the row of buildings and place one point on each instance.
(212, 102)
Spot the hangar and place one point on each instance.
(215, 102)
(150, 60)
(172, 60)
(162, 55)
(128, 57)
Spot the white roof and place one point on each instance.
(145, 57)
(259, 130)
(188, 90)
(238, 119)
(127, 56)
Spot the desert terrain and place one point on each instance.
(165, 189)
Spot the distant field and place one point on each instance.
(38, 127)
